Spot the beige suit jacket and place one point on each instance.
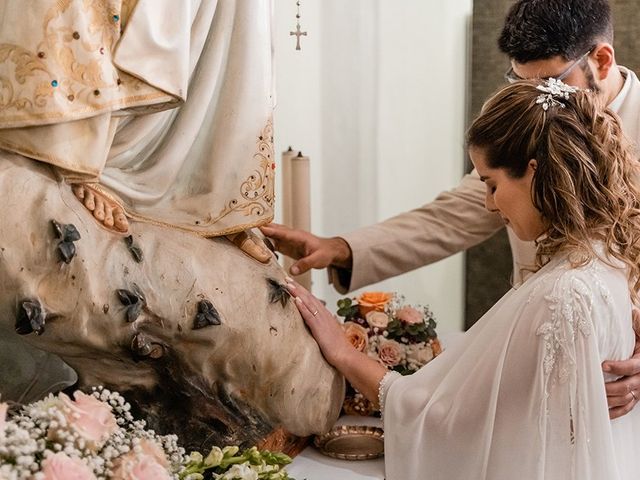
(454, 221)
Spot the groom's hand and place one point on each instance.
(623, 394)
(309, 250)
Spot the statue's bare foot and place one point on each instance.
(105, 210)
(251, 245)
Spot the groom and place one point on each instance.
(567, 39)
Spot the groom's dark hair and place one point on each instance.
(542, 29)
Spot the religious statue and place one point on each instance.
(135, 142)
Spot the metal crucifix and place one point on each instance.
(298, 34)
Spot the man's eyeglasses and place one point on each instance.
(512, 77)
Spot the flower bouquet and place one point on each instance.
(399, 336)
(94, 436)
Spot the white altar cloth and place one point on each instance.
(312, 465)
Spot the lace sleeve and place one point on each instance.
(383, 388)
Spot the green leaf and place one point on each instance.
(344, 303)
(395, 329)
(416, 328)
(272, 458)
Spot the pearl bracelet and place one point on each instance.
(389, 377)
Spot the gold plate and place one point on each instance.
(352, 442)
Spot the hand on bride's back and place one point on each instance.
(623, 394)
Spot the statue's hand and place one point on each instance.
(623, 394)
(309, 250)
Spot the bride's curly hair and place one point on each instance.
(586, 181)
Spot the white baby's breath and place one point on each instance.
(46, 429)
(41, 429)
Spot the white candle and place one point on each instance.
(286, 185)
(301, 203)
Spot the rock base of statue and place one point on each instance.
(201, 338)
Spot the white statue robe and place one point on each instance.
(522, 394)
(167, 104)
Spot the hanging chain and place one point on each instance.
(298, 33)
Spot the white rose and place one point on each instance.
(377, 319)
(420, 354)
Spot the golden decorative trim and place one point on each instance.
(69, 73)
(256, 195)
(207, 233)
(257, 191)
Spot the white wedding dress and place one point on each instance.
(522, 395)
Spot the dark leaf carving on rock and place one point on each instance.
(133, 312)
(30, 318)
(67, 234)
(134, 300)
(66, 251)
(135, 250)
(207, 315)
(142, 346)
(278, 292)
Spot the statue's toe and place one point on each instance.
(120, 222)
(89, 200)
(104, 209)
(98, 212)
(78, 191)
(108, 217)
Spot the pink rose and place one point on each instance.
(390, 352)
(377, 319)
(357, 335)
(90, 418)
(61, 467)
(150, 463)
(409, 315)
(3, 415)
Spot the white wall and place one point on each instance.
(376, 98)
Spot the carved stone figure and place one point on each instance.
(204, 339)
(135, 142)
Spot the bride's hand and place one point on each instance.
(323, 325)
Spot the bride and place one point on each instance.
(522, 395)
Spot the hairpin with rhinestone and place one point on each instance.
(555, 91)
